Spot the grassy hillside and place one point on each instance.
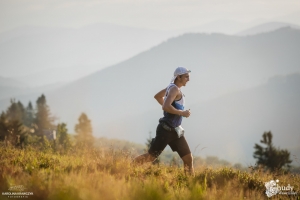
(109, 174)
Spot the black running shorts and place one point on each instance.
(164, 138)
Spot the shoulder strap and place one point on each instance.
(169, 87)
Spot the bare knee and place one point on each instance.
(188, 164)
(187, 159)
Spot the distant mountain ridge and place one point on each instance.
(228, 27)
(267, 27)
(58, 75)
(11, 82)
(219, 64)
(78, 52)
(40, 48)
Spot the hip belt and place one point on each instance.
(166, 126)
(179, 130)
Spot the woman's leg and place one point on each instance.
(188, 164)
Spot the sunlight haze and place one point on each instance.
(109, 58)
(160, 15)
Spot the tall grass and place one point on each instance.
(85, 173)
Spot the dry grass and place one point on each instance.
(108, 174)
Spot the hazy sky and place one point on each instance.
(154, 14)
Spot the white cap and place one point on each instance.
(179, 71)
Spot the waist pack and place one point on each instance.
(179, 130)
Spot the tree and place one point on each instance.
(14, 129)
(270, 157)
(84, 132)
(11, 123)
(63, 137)
(11, 131)
(30, 115)
(3, 126)
(43, 118)
(16, 111)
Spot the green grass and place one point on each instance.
(108, 174)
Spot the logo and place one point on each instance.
(273, 188)
(17, 188)
(17, 191)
